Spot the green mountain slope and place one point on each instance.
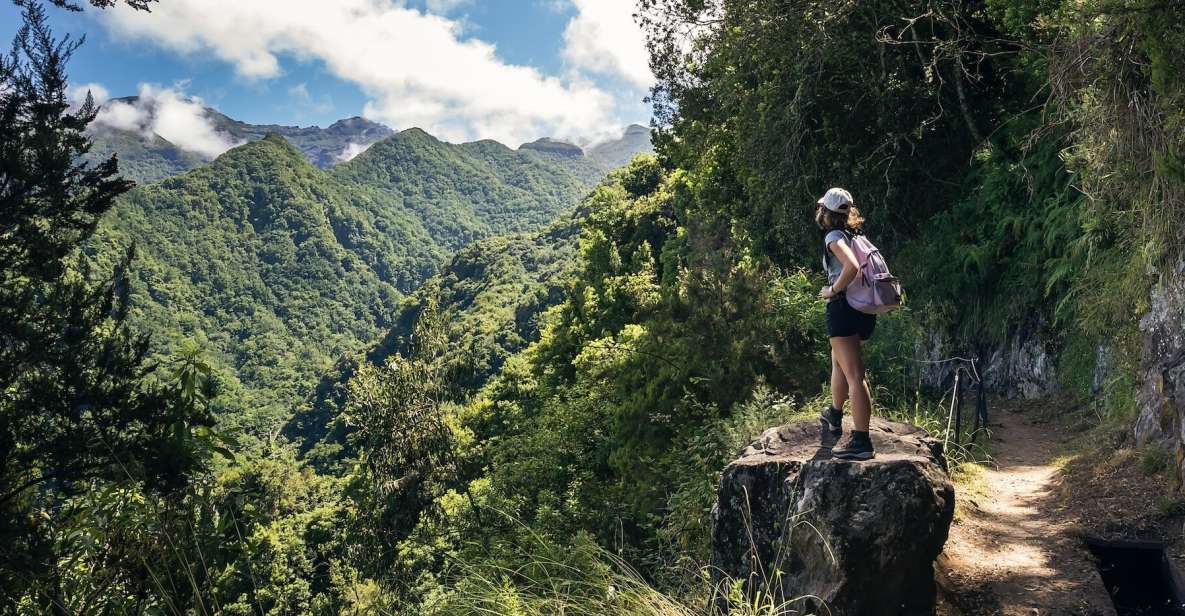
(464, 192)
(280, 268)
(273, 265)
(143, 159)
(494, 293)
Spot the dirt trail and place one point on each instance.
(1012, 550)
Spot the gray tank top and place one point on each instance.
(831, 263)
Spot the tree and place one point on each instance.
(407, 450)
(77, 405)
(139, 5)
(780, 100)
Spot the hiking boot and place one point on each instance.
(832, 420)
(857, 447)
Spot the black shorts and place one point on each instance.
(843, 320)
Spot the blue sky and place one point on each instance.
(463, 69)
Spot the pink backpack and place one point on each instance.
(875, 290)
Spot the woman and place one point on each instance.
(847, 327)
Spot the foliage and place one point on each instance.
(574, 433)
(403, 398)
(577, 577)
(281, 269)
(494, 293)
(464, 192)
(775, 102)
(543, 424)
(76, 406)
(253, 256)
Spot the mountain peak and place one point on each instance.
(360, 125)
(416, 132)
(553, 146)
(618, 152)
(272, 145)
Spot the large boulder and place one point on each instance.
(811, 533)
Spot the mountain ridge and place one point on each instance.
(280, 268)
(146, 156)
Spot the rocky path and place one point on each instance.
(1012, 550)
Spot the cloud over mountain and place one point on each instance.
(168, 112)
(417, 68)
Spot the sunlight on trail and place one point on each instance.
(1011, 547)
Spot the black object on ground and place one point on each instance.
(1139, 577)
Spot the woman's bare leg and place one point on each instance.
(839, 383)
(847, 353)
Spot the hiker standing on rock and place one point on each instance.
(847, 327)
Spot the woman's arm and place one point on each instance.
(844, 253)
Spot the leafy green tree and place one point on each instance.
(77, 407)
(771, 103)
(407, 452)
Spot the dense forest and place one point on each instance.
(278, 269)
(453, 379)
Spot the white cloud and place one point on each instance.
(124, 116)
(417, 68)
(604, 38)
(76, 95)
(170, 113)
(304, 100)
(351, 150)
(300, 92)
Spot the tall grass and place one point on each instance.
(584, 579)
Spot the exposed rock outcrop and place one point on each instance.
(1161, 396)
(859, 537)
(1024, 368)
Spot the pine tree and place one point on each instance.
(75, 404)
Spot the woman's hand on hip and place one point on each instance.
(827, 292)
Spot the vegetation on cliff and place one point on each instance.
(575, 389)
(279, 269)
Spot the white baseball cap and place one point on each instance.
(837, 200)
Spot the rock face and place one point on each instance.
(619, 152)
(808, 530)
(1024, 368)
(1161, 397)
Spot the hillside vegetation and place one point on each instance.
(279, 269)
(495, 291)
(540, 428)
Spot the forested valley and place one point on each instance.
(445, 378)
